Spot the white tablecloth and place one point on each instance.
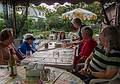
(63, 60)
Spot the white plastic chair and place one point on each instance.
(107, 81)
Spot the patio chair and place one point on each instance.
(115, 80)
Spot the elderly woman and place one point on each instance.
(6, 39)
(103, 63)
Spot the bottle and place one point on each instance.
(12, 64)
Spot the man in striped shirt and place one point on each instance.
(103, 63)
(96, 63)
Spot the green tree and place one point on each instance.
(1, 24)
(54, 20)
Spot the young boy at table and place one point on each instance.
(88, 45)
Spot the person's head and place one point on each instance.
(6, 36)
(109, 38)
(62, 35)
(29, 38)
(76, 22)
(53, 31)
(87, 32)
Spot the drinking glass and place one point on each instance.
(28, 53)
(56, 55)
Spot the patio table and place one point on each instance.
(59, 57)
(54, 76)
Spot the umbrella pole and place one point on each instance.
(14, 20)
(118, 14)
(5, 10)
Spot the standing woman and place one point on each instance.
(6, 39)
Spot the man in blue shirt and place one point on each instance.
(27, 48)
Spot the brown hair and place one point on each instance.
(64, 37)
(77, 21)
(88, 30)
(4, 34)
(113, 37)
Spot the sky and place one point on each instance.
(52, 6)
(48, 6)
(42, 4)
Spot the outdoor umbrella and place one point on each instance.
(80, 13)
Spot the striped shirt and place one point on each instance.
(114, 59)
(102, 61)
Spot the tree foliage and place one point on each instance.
(53, 18)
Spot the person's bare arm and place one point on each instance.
(1, 57)
(77, 42)
(87, 63)
(105, 74)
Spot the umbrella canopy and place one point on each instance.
(80, 13)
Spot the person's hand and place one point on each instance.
(75, 42)
(28, 56)
(16, 58)
(83, 71)
(70, 46)
(89, 71)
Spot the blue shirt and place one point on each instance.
(25, 47)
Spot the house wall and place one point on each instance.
(111, 13)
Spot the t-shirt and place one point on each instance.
(102, 61)
(98, 62)
(25, 47)
(86, 49)
(80, 37)
(79, 31)
(4, 55)
(113, 59)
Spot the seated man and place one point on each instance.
(88, 46)
(26, 48)
(103, 63)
